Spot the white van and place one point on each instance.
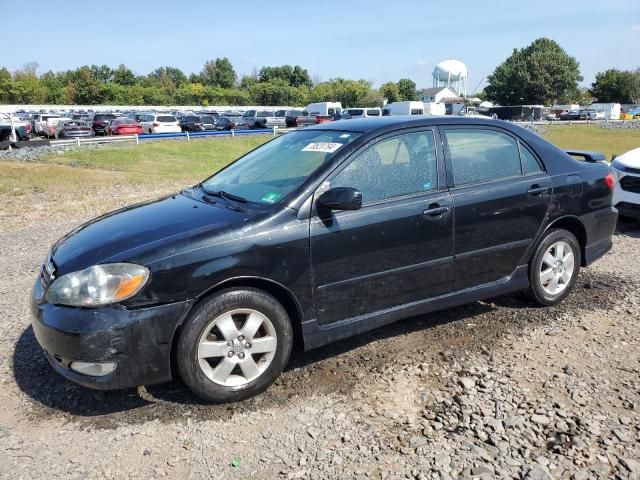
(606, 111)
(324, 108)
(403, 108)
(433, 108)
(362, 112)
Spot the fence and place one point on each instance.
(158, 136)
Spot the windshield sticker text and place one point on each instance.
(327, 147)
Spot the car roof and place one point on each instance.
(371, 124)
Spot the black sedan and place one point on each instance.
(231, 123)
(317, 235)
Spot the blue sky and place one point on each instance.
(375, 40)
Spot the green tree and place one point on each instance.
(390, 91)
(83, 89)
(173, 74)
(102, 74)
(407, 90)
(295, 76)
(54, 87)
(218, 73)
(350, 93)
(276, 92)
(124, 76)
(537, 74)
(614, 86)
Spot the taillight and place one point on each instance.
(297, 120)
(27, 127)
(608, 180)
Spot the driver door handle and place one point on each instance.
(537, 189)
(435, 210)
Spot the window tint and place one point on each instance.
(482, 155)
(397, 166)
(355, 111)
(331, 111)
(373, 113)
(417, 111)
(530, 163)
(166, 118)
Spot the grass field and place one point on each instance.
(177, 163)
(591, 137)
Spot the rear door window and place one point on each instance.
(479, 156)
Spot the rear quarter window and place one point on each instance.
(530, 163)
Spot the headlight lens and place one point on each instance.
(98, 285)
(618, 166)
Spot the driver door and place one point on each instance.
(396, 249)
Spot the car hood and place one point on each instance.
(124, 234)
(630, 158)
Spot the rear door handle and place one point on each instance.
(537, 190)
(435, 211)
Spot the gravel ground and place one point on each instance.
(496, 389)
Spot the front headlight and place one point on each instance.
(98, 285)
(618, 166)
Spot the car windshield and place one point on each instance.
(269, 173)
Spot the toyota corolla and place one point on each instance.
(318, 235)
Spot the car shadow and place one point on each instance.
(35, 377)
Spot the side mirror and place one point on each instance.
(341, 198)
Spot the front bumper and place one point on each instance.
(139, 341)
(626, 201)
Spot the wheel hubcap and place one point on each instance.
(237, 347)
(558, 265)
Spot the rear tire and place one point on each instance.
(554, 267)
(234, 345)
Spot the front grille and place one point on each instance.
(630, 184)
(47, 273)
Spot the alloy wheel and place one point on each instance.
(557, 268)
(237, 347)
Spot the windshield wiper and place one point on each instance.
(226, 196)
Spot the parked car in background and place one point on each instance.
(299, 118)
(123, 126)
(50, 127)
(73, 129)
(190, 123)
(208, 121)
(626, 194)
(263, 119)
(160, 123)
(99, 122)
(362, 112)
(22, 128)
(227, 123)
(570, 115)
(291, 244)
(324, 108)
(137, 117)
(38, 121)
(588, 114)
(82, 117)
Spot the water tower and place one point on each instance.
(453, 74)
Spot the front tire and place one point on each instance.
(234, 345)
(554, 267)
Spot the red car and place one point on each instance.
(123, 126)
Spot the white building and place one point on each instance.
(437, 94)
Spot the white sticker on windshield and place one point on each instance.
(327, 147)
